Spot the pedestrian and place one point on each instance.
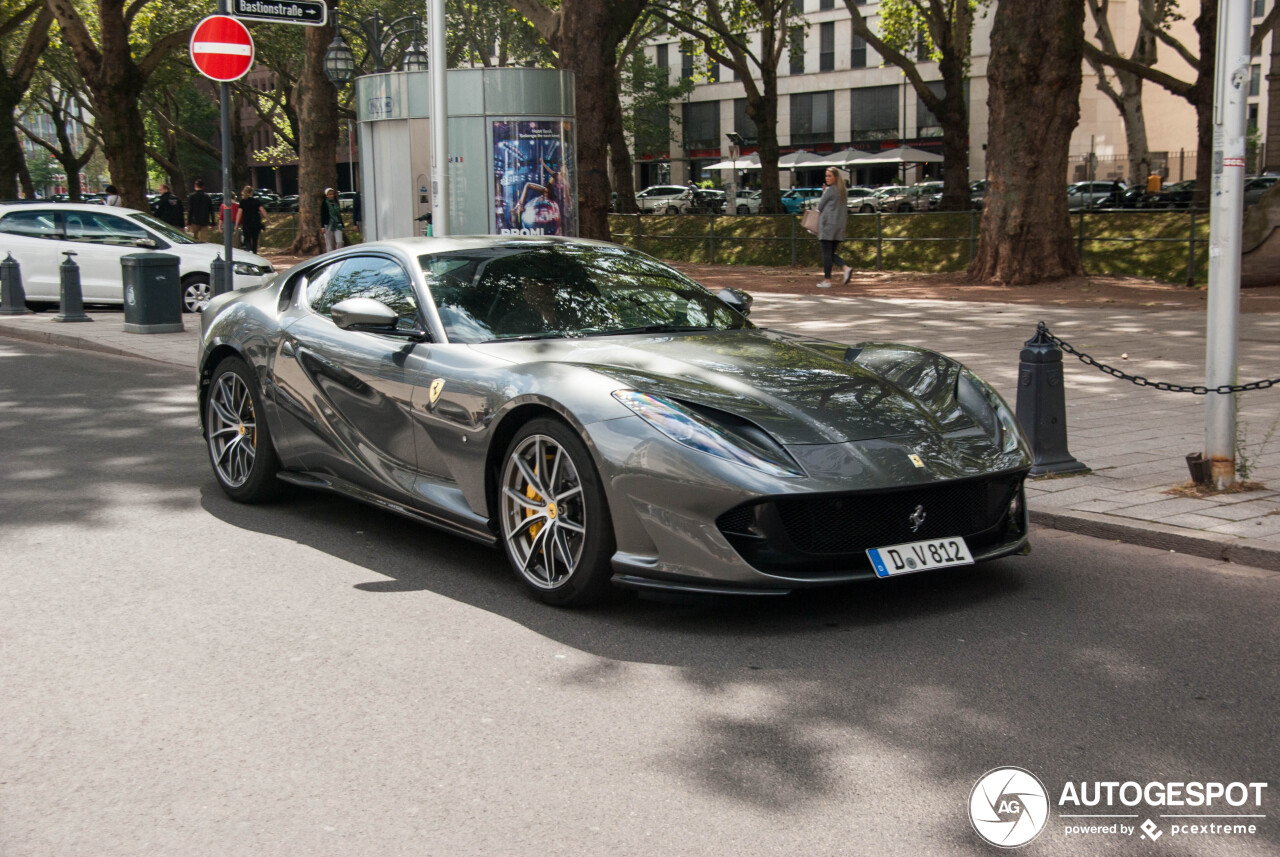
(331, 220)
(199, 211)
(833, 214)
(232, 210)
(356, 219)
(249, 219)
(113, 195)
(169, 208)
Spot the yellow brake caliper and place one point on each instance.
(528, 513)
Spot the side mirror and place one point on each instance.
(736, 299)
(371, 316)
(145, 242)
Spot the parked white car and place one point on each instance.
(664, 199)
(37, 234)
(748, 202)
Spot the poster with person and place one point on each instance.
(534, 176)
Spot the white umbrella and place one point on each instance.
(901, 155)
(795, 159)
(748, 162)
(842, 158)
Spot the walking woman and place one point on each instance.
(833, 214)
(249, 219)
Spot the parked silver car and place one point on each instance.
(604, 420)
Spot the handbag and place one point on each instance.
(809, 220)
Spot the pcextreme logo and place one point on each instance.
(1009, 807)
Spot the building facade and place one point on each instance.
(836, 92)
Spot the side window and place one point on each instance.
(93, 228)
(371, 277)
(317, 281)
(31, 224)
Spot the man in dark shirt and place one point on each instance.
(199, 212)
(169, 208)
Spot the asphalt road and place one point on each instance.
(183, 675)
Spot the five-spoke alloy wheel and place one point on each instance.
(555, 521)
(195, 293)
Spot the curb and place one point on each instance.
(1225, 548)
(68, 340)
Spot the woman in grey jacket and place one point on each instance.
(833, 214)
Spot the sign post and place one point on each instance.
(222, 50)
(305, 12)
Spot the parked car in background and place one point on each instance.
(707, 201)
(876, 201)
(663, 199)
(1089, 194)
(797, 199)
(857, 199)
(905, 199)
(1176, 195)
(1256, 186)
(1130, 197)
(38, 234)
(748, 202)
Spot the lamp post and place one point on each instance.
(340, 63)
(735, 148)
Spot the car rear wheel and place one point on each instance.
(195, 293)
(671, 209)
(867, 209)
(556, 528)
(742, 209)
(240, 449)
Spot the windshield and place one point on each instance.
(566, 290)
(177, 236)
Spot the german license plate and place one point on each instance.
(920, 556)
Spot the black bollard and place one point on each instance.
(218, 280)
(13, 300)
(1042, 406)
(72, 306)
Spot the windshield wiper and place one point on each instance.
(528, 336)
(651, 328)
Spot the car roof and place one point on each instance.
(419, 246)
(23, 205)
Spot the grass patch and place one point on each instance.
(1149, 244)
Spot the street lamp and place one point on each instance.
(340, 62)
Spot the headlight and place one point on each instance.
(248, 269)
(985, 405)
(688, 427)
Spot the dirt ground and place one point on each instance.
(1127, 292)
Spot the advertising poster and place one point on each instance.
(534, 175)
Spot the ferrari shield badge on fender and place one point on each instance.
(915, 459)
(437, 387)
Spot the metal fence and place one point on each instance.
(1164, 245)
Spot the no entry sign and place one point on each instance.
(221, 48)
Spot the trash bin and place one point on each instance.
(152, 293)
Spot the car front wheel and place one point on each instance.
(240, 449)
(195, 293)
(742, 209)
(556, 528)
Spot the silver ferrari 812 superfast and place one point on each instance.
(606, 420)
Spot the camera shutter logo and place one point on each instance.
(1008, 807)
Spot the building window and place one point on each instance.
(874, 110)
(701, 121)
(928, 125)
(824, 5)
(858, 54)
(1253, 118)
(1255, 79)
(811, 118)
(797, 6)
(686, 60)
(796, 42)
(826, 47)
(922, 47)
(1259, 8)
(742, 123)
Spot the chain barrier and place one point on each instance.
(1042, 330)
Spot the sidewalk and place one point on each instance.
(1135, 439)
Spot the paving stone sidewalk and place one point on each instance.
(1135, 439)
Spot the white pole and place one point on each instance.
(439, 120)
(1226, 214)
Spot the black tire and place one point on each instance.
(237, 437)
(195, 292)
(742, 209)
(557, 534)
(867, 209)
(671, 209)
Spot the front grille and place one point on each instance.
(851, 523)
(804, 536)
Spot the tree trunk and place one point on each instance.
(1034, 76)
(1202, 98)
(317, 102)
(24, 180)
(12, 160)
(240, 157)
(954, 118)
(13, 86)
(763, 110)
(124, 138)
(584, 49)
(1135, 126)
(620, 161)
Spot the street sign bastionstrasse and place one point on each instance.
(306, 12)
(221, 48)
